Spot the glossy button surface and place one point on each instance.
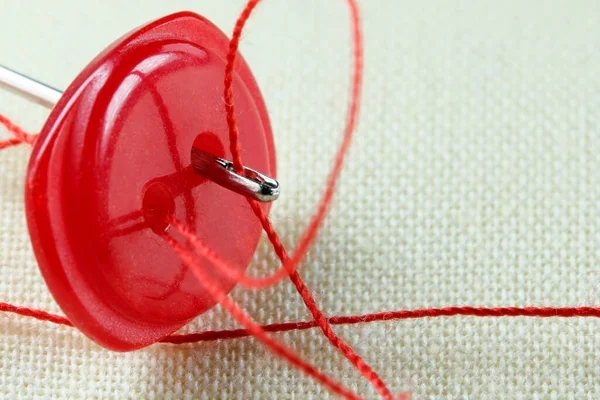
(113, 162)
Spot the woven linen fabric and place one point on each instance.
(473, 179)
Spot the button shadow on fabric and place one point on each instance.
(139, 137)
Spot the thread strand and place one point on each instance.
(253, 328)
(20, 135)
(310, 234)
(446, 312)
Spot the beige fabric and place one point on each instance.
(474, 180)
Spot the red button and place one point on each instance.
(113, 161)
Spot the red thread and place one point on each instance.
(253, 328)
(539, 312)
(20, 136)
(234, 133)
(312, 230)
(9, 143)
(289, 264)
(467, 311)
(35, 313)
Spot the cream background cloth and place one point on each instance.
(473, 180)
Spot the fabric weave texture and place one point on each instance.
(473, 179)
